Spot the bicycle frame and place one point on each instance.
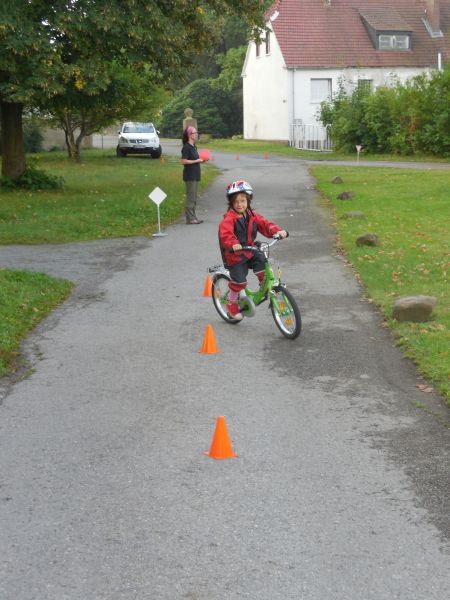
(268, 282)
(254, 298)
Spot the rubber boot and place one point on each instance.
(232, 305)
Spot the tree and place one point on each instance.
(46, 47)
(128, 95)
(217, 102)
(230, 76)
(230, 81)
(212, 109)
(230, 32)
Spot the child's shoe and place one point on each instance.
(234, 312)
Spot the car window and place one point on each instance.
(139, 128)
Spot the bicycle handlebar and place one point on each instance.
(276, 238)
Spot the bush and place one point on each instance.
(433, 135)
(379, 119)
(32, 179)
(409, 118)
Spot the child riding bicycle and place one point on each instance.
(239, 227)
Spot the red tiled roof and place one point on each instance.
(384, 19)
(313, 34)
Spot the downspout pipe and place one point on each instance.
(293, 107)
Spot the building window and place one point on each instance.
(365, 85)
(267, 42)
(320, 90)
(393, 42)
(258, 47)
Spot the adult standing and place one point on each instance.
(191, 172)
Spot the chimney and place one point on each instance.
(434, 15)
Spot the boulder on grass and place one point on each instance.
(337, 179)
(368, 239)
(413, 308)
(345, 196)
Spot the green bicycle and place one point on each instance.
(283, 305)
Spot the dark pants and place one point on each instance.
(191, 200)
(239, 271)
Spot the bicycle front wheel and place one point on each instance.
(220, 291)
(285, 312)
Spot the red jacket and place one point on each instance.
(234, 230)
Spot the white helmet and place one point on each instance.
(239, 186)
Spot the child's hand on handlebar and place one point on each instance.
(236, 247)
(281, 234)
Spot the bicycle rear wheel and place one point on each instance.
(220, 291)
(285, 312)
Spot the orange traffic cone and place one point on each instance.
(209, 343)
(238, 157)
(266, 155)
(207, 291)
(221, 445)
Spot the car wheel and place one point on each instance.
(157, 153)
(120, 153)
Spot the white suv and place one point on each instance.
(138, 138)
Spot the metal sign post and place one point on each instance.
(157, 196)
(358, 150)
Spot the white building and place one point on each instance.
(312, 45)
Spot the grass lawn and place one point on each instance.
(410, 212)
(103, 197)
(25, 299)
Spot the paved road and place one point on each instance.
(171, 146)
(340, 489)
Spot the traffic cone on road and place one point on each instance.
(238, 157)
(207, 290)
(209, 345)
(221, 445)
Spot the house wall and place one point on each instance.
(306, 110)
(266, 94)
(275, 97)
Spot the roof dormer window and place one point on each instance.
(387, 29)
(395, 41)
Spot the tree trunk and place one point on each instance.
(68, 130)
(72, 143)
(77, 152)
(69, 151)
(13, 160)
(79, 141)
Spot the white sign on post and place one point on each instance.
(358, 150)
(157, 196)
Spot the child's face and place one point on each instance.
(240, 203)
